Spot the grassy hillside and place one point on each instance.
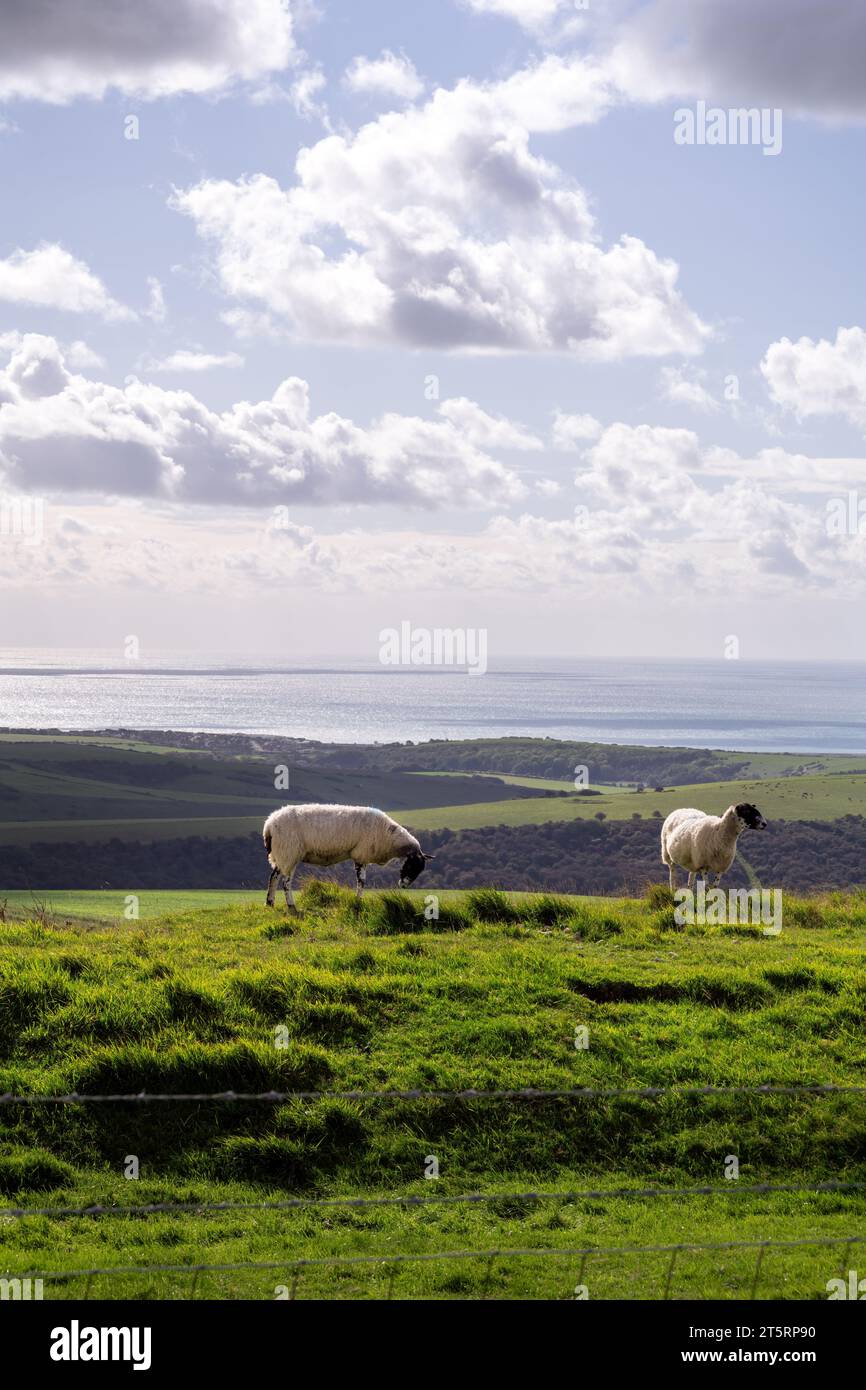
(48, 782)
(488, 996)
(155, 797)
(91, 813)
(105, 906)
(517, 754)
(822, 797)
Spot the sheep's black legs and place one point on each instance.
(361, 876)
(272, 887)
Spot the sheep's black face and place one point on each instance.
(412, 867)
(750, 816)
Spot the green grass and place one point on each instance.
(93, 789)
(53, 791)
(96, 905)
(110, 905)
(98, 741)
(822, 797)
(377, 997)
(542, 783)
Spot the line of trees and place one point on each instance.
(591, 856)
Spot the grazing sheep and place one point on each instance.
(706, 845)
(328, 835)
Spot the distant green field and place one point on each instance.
(489, 996)
(542, 783)
(824, 797)
(77, 789)
(779, 764)
(110, 905)
(99, 741)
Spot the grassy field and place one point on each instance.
(378, 997)
(539, 783)
(99, 905)
(106, 906)
(822, 797)
(91, 791)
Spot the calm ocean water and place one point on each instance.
(782, 706)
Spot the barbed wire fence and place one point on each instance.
(470, 1093)
(393, 1261)
(396, 1259)
(414, 1200)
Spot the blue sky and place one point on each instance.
(467, 171)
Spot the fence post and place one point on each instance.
(670, 1273)
(758, 1263)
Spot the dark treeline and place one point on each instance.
(527, 757)
(570, 857)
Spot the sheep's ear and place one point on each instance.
(428, 856)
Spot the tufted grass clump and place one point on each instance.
(491, 905)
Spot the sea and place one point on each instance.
(792, 707)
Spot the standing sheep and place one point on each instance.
(326, 835)
(706, 845)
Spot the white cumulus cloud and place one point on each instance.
(391, 74)
(659, 512)
(484, 430)
(50, 277)
(819, 377)
(574, 432)
(149, 48)
(61, 433)
(439, 227)
(534, 15)
(804, 57)
(687, 388)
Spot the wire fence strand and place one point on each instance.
(385, 1258)
(438, 1199)
(524, 1093)
(297, 1265)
